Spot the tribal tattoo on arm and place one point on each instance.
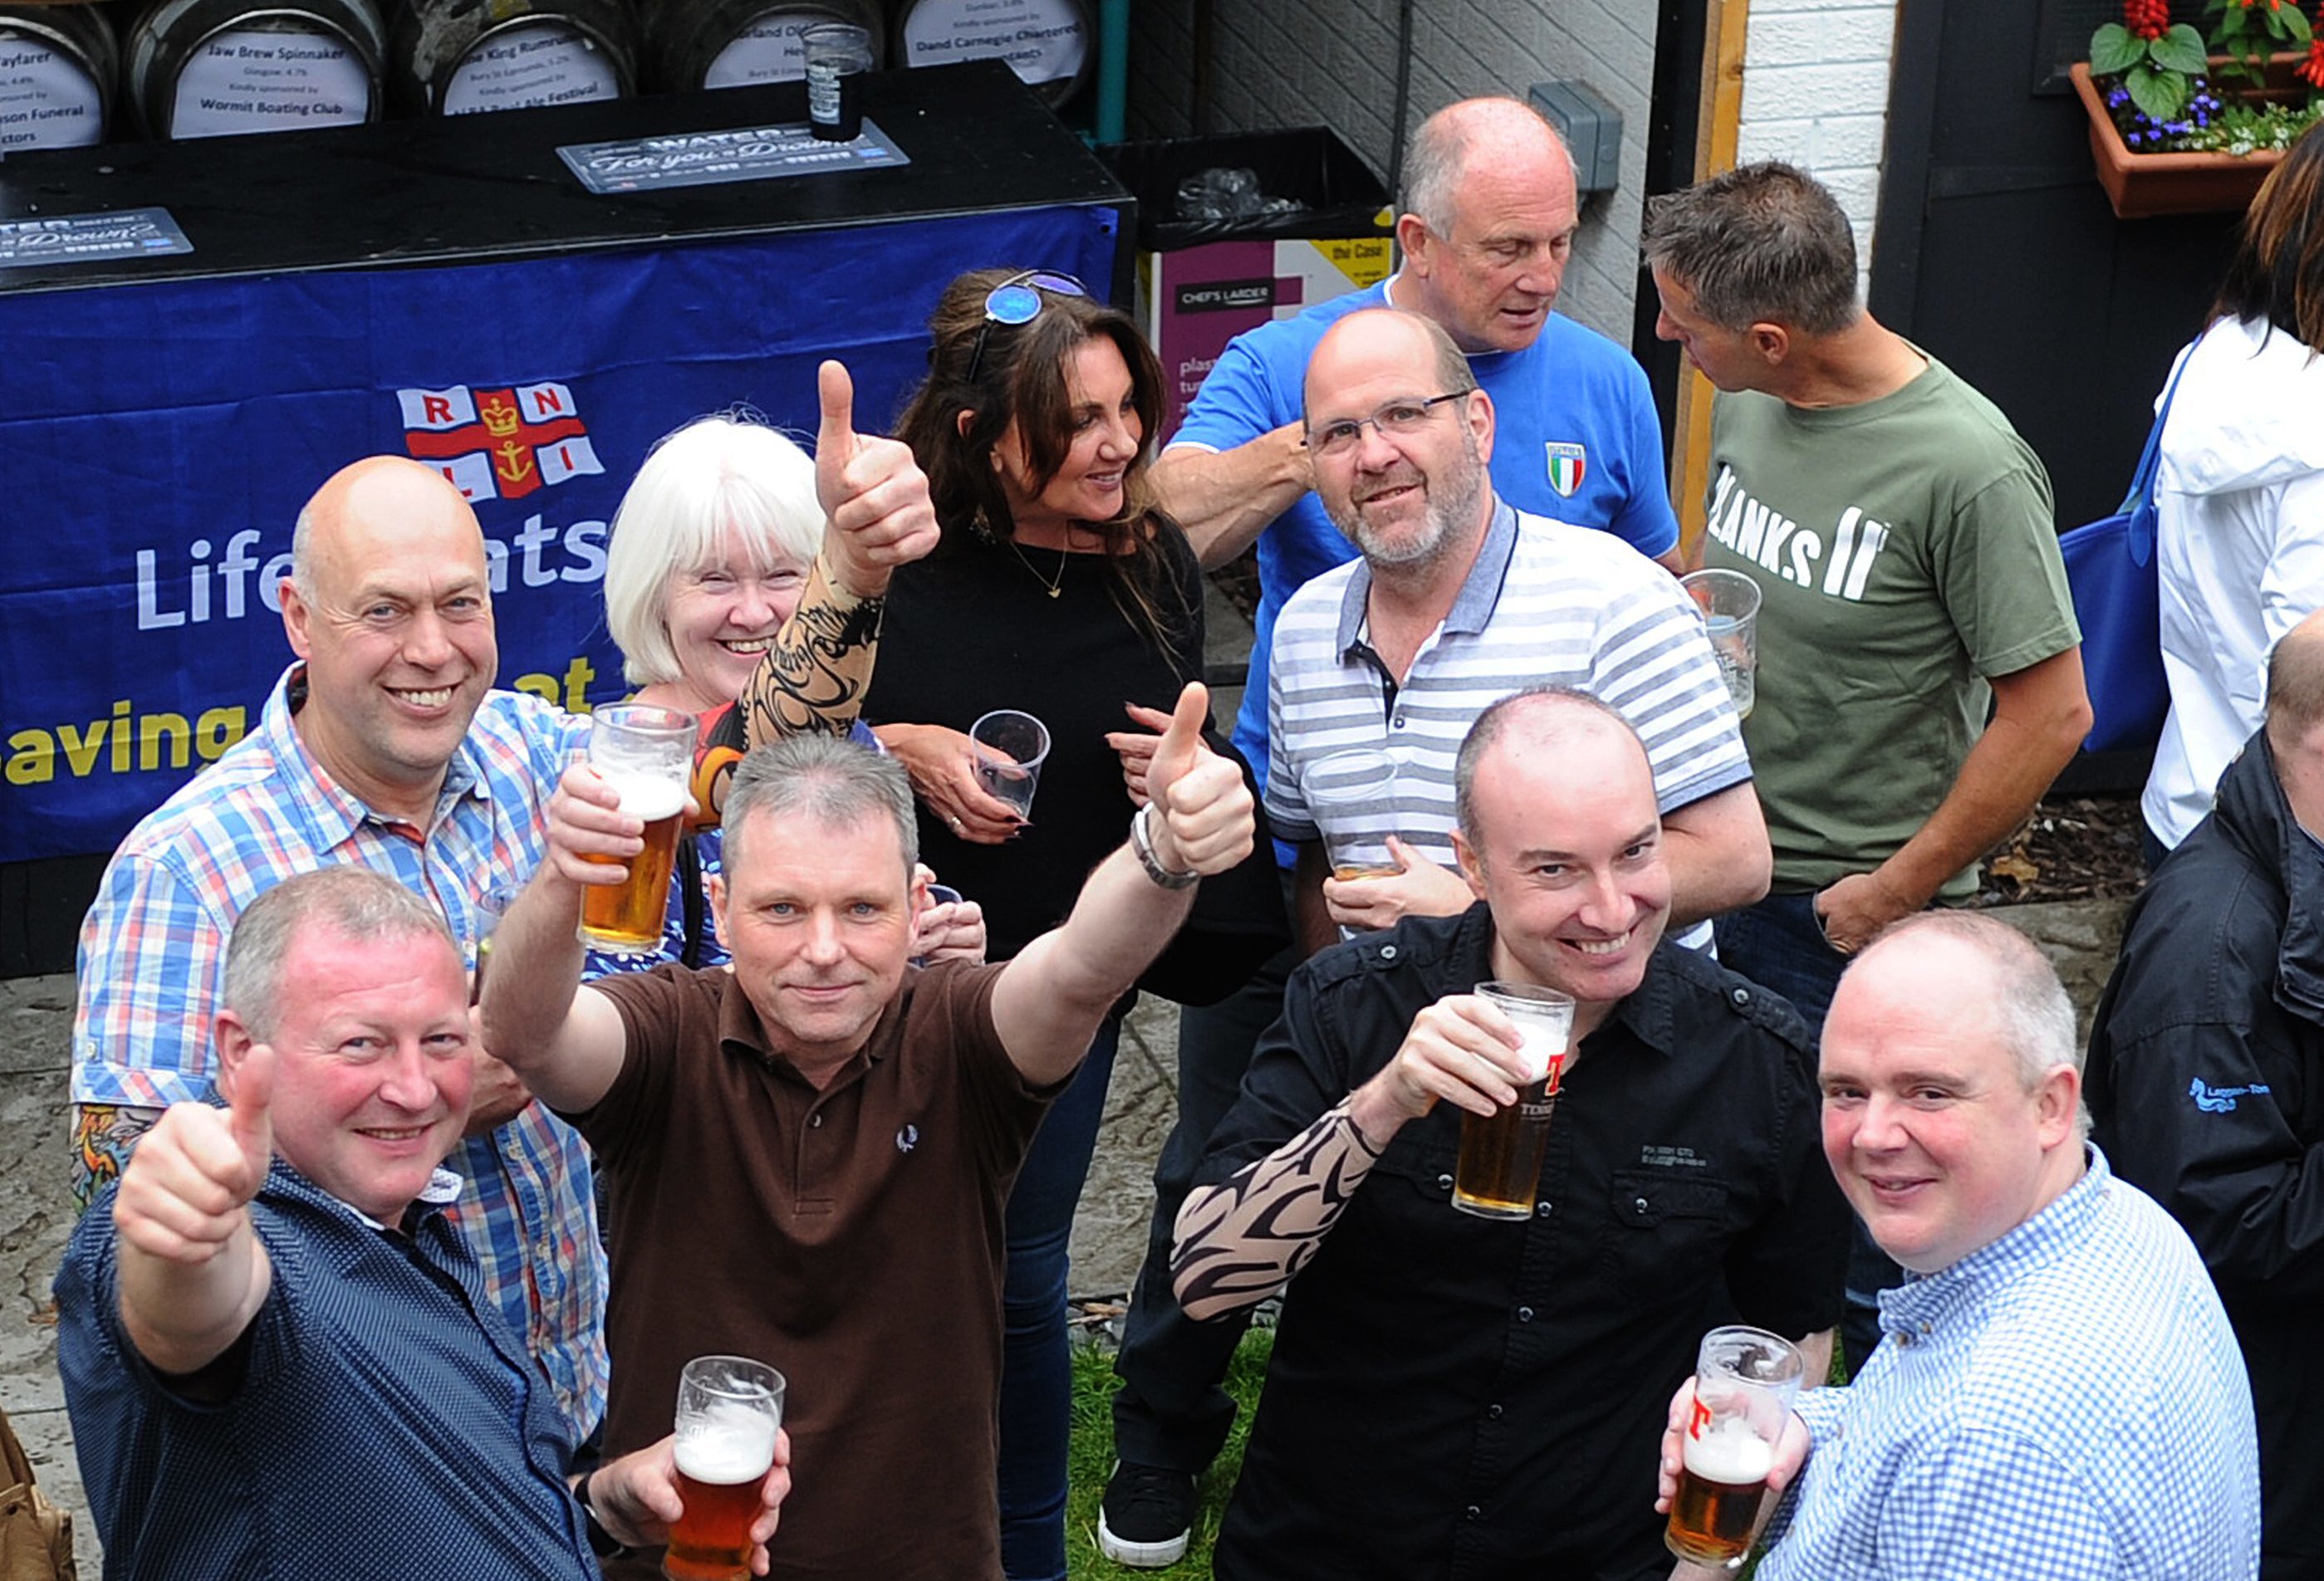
(103, 1135)
(813, 679)
(1241, 1241)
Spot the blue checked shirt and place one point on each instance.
(2066, 1403)
(153, 966)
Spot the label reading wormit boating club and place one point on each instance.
(256, 79)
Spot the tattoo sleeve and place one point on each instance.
(814, 677)
(103, 1135)
(1241, 1241)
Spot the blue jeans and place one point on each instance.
(1035, 1368)
(1779, 944)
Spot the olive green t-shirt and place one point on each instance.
(1905, 549)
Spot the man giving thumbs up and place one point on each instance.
(807, 1152)
(277, 1351)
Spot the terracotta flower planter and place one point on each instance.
(2143, 185)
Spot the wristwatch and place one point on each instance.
(1141, 840)
(601, 1542)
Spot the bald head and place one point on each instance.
(1559, 730)
(390, 606)
(1499, 136)
(1946, 959)
(1377, 335)
(1561, 837)
(2295, 685)
(1488, 224)
(2295, 720)
(378, 489)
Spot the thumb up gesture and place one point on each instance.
(184, 1192)
(876, 509)
(1204, 819)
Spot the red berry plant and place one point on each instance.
(2170, 89)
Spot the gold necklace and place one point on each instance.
(1051, 586)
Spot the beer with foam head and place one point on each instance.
(1745, 1382)
(646, 755)
(729, 1411)
(1499, 1163)
(1720, 1486)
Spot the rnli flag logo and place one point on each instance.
(1567, 462)
(498, 443)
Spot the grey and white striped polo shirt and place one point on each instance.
(1546, 605)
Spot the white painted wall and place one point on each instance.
(1815, 93)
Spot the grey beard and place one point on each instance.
(1461, 502)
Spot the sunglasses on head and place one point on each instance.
(1017, 301)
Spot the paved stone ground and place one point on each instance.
(1108, 1235)
(35, 1216)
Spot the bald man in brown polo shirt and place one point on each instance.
(808, 1157)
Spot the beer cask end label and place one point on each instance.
(48, 99)
(521, 67)
(1043, 40)
(769, 50)
(250, 79)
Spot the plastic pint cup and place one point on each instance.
(1010, 747)
(1349, 795)
(1500, 1158)
(1730, 603)
(728, 1412)
(646, 754)
(1744, 1381)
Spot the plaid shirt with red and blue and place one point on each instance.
(152, 968)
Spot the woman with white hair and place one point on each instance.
(713, 549)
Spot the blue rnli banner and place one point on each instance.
(157, 441)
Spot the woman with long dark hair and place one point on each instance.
(1060, 590)
(2240, 496)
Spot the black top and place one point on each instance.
(971, 628)
(2206, 1085)
(1452, 1396)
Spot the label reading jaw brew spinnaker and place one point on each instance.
(248, 79)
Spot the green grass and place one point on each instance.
(1093, 1462)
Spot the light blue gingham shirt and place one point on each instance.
(2066, 1403)
(153, 966)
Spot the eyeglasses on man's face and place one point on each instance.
(1406, 416)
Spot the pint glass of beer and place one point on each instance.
(1352, 797)
(647, 754)
(728, 1411)
(1500, 1158)
(1744, 1381)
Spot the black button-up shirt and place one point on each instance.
(1453, 1396)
